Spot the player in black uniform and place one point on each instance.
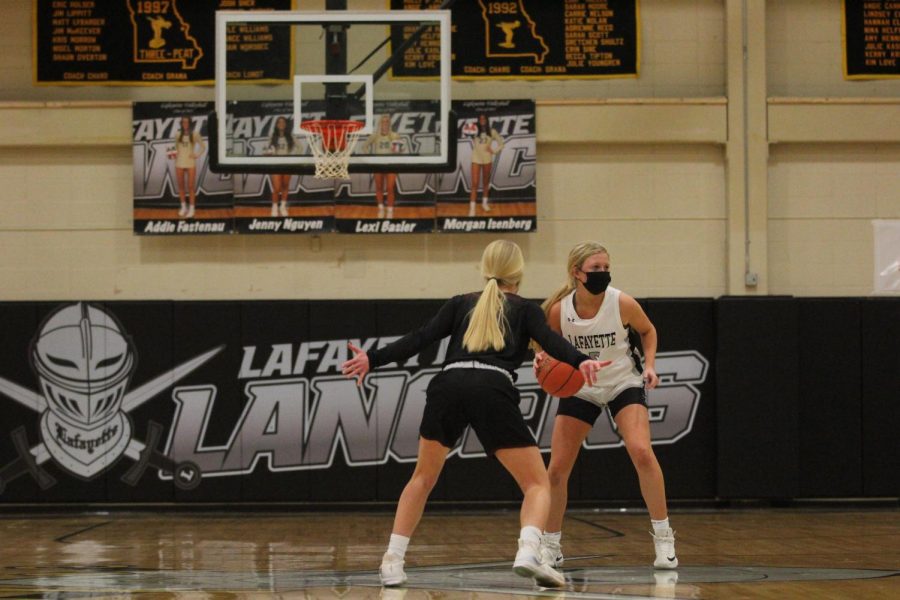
(489, 334)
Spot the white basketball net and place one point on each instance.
(332, 143)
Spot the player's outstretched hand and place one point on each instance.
(589, 369)
(357, 366)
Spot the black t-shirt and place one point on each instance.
(526, 321)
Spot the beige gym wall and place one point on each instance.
(640, 164)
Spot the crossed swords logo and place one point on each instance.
(186, 474)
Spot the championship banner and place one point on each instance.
(153, 42)
(392, 202)
(494, 186)
(279, 203)
(175, 192)
(529, 39)
(226, 402)
(871, 39)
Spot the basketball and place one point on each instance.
(559, 379)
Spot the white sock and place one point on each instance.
(398, 544)
(553, 537)
(530, 533)
(660, 527)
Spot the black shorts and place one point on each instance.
(588, 411)
(485, 399)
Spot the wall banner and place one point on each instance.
(175, 192)
(152, 42)
(530, 39)
(494, 187)
(392, 202)
(285, 203)
(244, 402)
(871, 39)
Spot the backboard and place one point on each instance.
(341, 71)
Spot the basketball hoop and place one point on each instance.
(332, 143)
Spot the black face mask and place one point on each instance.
(597, 281)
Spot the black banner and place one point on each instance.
(153, 42)
(871, 39)
(528, 39)
(245, 402)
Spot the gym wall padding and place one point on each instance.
(761, 398)
(830, 394)
(881, 396)
(757, 366)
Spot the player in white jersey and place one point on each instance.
(384, 141)
(597, 319)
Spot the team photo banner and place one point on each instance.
(529, 39)
(152, 42)
(175, 191)
(871, 39)
(493, 188)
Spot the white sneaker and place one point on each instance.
(665, 550)
(485, 206)
(471, 209)
(381, 211)
(390, 212)
(551, 553)
(283, 209)
(190, 212)
(274, 211)
(392, 570)
(529, 564)
(183, 210)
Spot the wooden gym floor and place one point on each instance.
(754, 553)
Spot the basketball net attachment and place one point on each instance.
(332, 142)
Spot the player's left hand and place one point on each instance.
(539, 357)
(357, 366)
(651, 380)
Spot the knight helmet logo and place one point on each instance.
(84, 362)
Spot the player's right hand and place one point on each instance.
(589, 370)
(357, 366)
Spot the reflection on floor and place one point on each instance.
(727, 554)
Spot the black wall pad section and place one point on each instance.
(881, 396)
(757, 408)
(830, 379)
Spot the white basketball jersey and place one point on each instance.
(603, 338)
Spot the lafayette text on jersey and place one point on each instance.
(603, 337)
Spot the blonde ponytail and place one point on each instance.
(558, 295)
(487, 322)
(501, 263)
